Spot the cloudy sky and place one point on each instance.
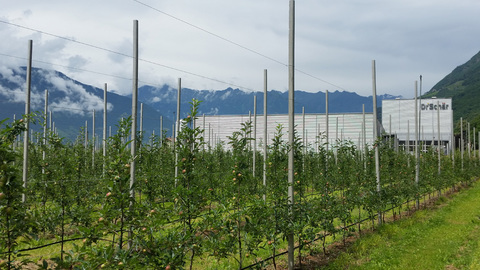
(217, 44)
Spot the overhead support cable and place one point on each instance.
(125, 55)
(235, 43)
(166, 66)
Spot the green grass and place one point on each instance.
(444, 238)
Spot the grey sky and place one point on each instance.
(335, 41)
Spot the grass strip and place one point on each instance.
(446, 237)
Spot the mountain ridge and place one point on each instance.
(73, 102)
(463, 86)
(235, 101)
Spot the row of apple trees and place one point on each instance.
(191, 205)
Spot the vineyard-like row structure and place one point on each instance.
(188, 202)
(218, 210)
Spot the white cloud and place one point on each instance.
(77, 62)
(10, 75)
(335, 41)
(75, 99)
(17, 95)
(226, 95)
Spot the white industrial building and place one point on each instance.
(354, 127)
(435, 121)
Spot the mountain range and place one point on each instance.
(235, 101)
(72, 102)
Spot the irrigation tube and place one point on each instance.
(46, 245)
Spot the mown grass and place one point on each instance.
(447, 237)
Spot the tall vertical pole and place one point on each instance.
(364, 139)
(304, 138)
(420, 112)
(209, 136)
(133, 144)
(93, 129)
(254, 134)
(364, 131)
(438, 136)
(453, 144)
(478, 139)
(179, 96)
(417, 152)
(291, 123)
(152, 138)
(203, 131)
(86, 134)
(474, 144)
(408, 143)
(433, 130)
(265, 133)
(16, 137)
(336, 131)
(326, 121)
(468, 140)
(336, 140)
(461, 140)
(93, 139)
(375, 134)
(408, 136)
(45, 115)
(50, 120)
(423, 145)
(317, 130)
(104, 135)
(250, 135)
(161, 130)
(141, 121)
(27, 120)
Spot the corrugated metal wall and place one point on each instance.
(398, 115)
(341, 126)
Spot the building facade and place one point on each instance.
(435, 117)
(311, 128)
